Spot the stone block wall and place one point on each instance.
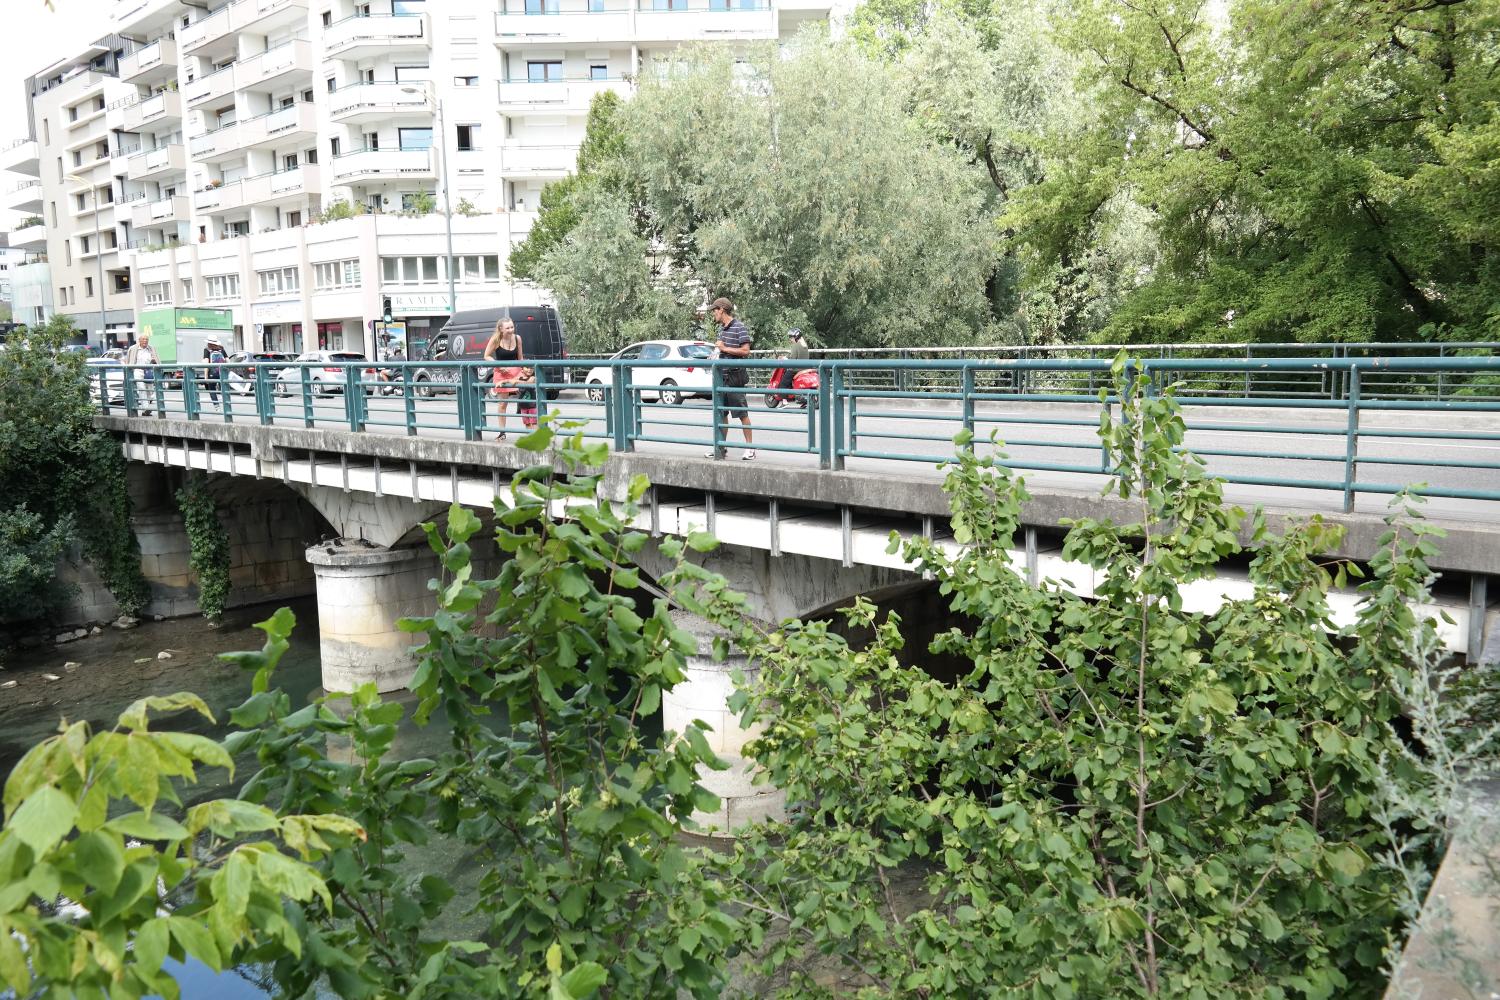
(268, 539)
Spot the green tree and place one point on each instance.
(65, 480)
(794, 182)
(559, 212)
(1120, 797)
(1311, 171)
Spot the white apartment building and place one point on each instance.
(68, 167)
(289, 160)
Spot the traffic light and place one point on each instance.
(385, 308)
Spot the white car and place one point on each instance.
(106, 372)
(327, 371)
(688, 375)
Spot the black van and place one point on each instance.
(466, 334)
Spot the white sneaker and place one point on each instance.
(710, 454)
(748, 456)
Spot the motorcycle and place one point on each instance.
(806, 379)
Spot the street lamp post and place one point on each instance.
(442, 145)
(98, 255)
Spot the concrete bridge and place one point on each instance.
(314, 506)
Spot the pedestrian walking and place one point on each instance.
(734, 342)
(510, 375)
(142, 353)
(213, 353)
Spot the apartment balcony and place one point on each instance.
(368, 102)
(703, 20)
(271, 128)
(151, 63)
(22, 157)
(274, 65)
(262, 189)
(156, 110)
(32, 238)
(150, 164)
(556, 23)
(538, 161)
(553, 97)
(76, 87)
(366, 35)
(87, 115)
(204, 32)
(155, 214)
(382, 164)
(262, 17)
(144, 17)
(25, 197)
(219, 83)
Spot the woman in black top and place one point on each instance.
(504, 348)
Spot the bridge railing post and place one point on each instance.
(470, 404)
(192, 406)
(131, 403)
(265, 403)
(409, 400)
(1351, 438)
(834, 445)
(305, 377)
(354, 397)
(717, 400)
(967, 403)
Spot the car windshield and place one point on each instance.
(699, 352)
(344, 356)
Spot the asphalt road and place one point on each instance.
(1051, 442)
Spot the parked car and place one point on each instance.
(243, 365)
(466, 334)
(691, 376)
(106, 380)
(117, 353)
(327, 372)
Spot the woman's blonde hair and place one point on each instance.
(501, 322)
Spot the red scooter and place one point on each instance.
(805, 379)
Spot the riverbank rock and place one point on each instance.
(164, 655)
(7, 685)
(96, 630)
(125, 621)
(51, 677)
(77, 633)
(71, 666)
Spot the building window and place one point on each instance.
(409, 270)
(414, 138)
(544, 72)
(328, 20)
(413, 74)
(222, 286)
(278, 280)
(466, 81)
(338, 274)
(157, 292)
(331, 83)
(541, 6)
(289, 162)
(372, 140)
(401, 7)
(598, 72)
(310, 155)
(477, 268)
(83, 245)
(187, 289)
(468, 138)
(293, 220)
(77, 157)
(88, 287)
(333, 145)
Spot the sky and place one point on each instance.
(31, 37)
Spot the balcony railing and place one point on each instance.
(377, 163)
(362, 31)
(155, 213)
(204, 30)
(553, 95)
(228, 140)
(272, 186)
(293, 55)
(567, 21)
(216, 84)
(159, 57)
(366, 99)
(538, 159)
(161, 107)
(151, 162)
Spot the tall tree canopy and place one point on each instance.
(797, 184)
(1311, 171)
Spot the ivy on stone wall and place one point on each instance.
(109, 541)
(208, 545)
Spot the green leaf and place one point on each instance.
(134, 717)
(583, 979)
(702, 541)
(99, 858)
(152, 941)
(43, 819)
(538, 440)
(196, 940)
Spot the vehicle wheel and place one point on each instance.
(596, 392)
(669, 394)
(282, 390)
(802, 401)
(772, 401)
(424, 388)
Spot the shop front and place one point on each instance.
(180, 334)
(278, 326)
(424, 314)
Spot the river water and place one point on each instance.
(114, 668)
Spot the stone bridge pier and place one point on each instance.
(788, 586)
(371, 575)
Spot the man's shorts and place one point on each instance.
(734, 404)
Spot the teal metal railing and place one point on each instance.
(1331, 426)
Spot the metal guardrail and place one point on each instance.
(1328, 425)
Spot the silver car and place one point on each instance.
(327, 372)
